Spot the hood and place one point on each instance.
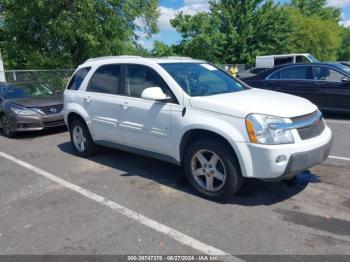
(243, 103)
(38, 101)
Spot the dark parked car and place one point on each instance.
(325, 84)
(251, 72)
(29, 106)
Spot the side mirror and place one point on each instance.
(346, 80)
(155, 94)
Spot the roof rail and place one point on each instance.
(112, 57)
(178, 57)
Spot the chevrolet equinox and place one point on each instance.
(193, 114)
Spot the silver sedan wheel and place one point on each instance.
(79, 139)
(208, 170)
(5, 125)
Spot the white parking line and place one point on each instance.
(172, 233)
(340, 158)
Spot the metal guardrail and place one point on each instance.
(57, 79)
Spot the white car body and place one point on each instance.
(158, 129)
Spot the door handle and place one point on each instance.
(88, 99)
(317, 83)
(126, 105)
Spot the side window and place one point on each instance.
(324, 73)
(296, 73)
(105, 80)
(78, 78)
(283, 60)
(302, 59)
(1, 93)
(276, 75)
(138, 78)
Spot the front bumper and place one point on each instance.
(35, 123)
(261, 161)
(300, 162)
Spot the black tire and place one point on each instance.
(5, 126)
(90, 148)
(233, 180)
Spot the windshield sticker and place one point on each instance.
(209, 67)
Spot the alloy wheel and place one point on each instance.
(5, 125)
(208, 170)
(79, 138)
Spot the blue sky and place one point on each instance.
(168, 9)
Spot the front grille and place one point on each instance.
(310, 131)
(50, 110)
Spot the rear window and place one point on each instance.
(78, 78)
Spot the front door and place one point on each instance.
(145, 124)
(332, 93)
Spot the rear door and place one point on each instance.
(102, 103)
(295, 80)
(332, 93)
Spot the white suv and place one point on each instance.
(193, 114)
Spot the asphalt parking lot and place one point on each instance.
(53, 202)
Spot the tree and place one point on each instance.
(58, 34)
(344, 50)
(201, 36)
(318, 8)
(161, 49)
(315, 35)
(234, 31)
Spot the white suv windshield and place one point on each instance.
(202, 79)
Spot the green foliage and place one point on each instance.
(318, 8)
(63, 34)
(344, 50)
(236, 31)
(201, 36)
(315, 35)
(160, 49)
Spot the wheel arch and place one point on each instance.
(194, 134)
(72, 116)
(74, 113)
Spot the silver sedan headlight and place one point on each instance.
(260, 130)
(19, 110)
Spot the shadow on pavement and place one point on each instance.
(35, 134)
(253, 192)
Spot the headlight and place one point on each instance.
(260, 132)
(22, 111)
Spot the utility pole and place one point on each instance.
(2, 70)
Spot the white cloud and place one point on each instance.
(345, 23)
(339, 3)
(190, 7)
